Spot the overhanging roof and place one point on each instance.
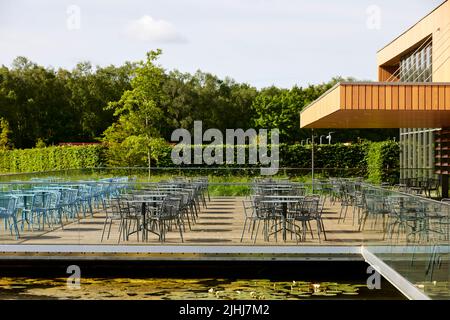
(380, 105)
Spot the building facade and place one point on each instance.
(412, 94)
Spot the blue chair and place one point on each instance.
(8, 213)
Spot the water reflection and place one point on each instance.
(189, 289)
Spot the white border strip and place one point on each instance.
(409, 249)
(21, 248)
(403, 285)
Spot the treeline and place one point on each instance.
(52, 106)
(46, 106)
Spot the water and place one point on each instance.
(193, 280)
(182, 289)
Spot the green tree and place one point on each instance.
(4, 135)
(218, 103)
(59, 105)
(280, 108)
(132, 137)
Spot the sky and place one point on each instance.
(260, 42)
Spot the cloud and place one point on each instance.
(147, 28)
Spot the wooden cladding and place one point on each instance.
(388, 73)
(395, 96)
(380, 105)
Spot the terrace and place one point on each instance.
(117, 215)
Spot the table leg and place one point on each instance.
(144, 227)
(284, 220)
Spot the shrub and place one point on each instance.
(51, 158)
(383, 162)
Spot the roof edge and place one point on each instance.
(415, 24)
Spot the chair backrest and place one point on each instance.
(8, 204)
(52, 199)
(299, 190)
(170, 207)
(374, 204)
(310, 206)
(249, 208)
(113, 208)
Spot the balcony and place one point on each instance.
(380, 105)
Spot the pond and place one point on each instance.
(195, 280)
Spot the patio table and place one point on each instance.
(284, 203)
(143, 203)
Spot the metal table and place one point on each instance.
(283, 200)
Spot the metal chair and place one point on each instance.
(8, 213)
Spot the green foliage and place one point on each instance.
(70, 105)
(59, 105)
(51, 158)
(132, 138)
(383, 162)
(4, 134)
(40, 143)
(280, 108)
(377, 161)
(219, 103)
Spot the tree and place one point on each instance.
(218, 103)
(91, 89)
(280, 108)
(4, 135)
(132, 137)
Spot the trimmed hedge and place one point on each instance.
(379, 161)
(383, 161)
(51, 158)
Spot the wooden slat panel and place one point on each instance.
(408, 98)
(447, 98)
(388, 97)
(428, 97)
(421, 101)
(402, 97)
(441, 98)
(395, 97)
(415, 97)
(355, 98)
(435, 98)
(375, 97)
(362, 97)
(348, 97)
(342, 98)
(411, 99)
(382, 98)
(368, 97)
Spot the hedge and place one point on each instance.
(383, 162)
(379, 161)
(51, 158)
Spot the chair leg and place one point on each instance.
(323, 229)
(319, 230)
(257, 229)
(310, 229)
(243, 229)
(181, 232)
(104, 228)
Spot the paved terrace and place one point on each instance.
(220, 223)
